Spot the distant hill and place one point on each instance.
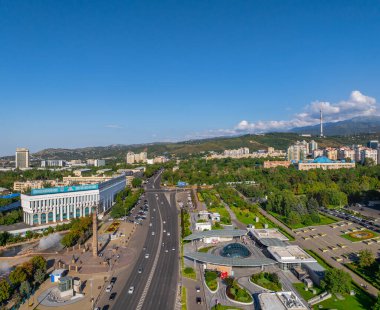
(354, 126)
(253, 142)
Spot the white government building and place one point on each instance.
(51, 205)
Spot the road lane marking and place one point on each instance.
(147, 285)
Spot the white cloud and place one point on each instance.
(357, 104)
(113, 126)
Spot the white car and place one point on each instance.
(146, 255)
(131, 289)
(168, 233)
(152, 233)
(109, 288)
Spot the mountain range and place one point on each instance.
(358, 130)
(353, 126)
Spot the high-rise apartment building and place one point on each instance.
(312, 146)
(132, 158)
(368, 153)
(346, 152)
(22, 158)
(298, 151)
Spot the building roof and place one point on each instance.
(224, 233)
(290, 254)
(322, 160)
(269, 233)
(229, 261)
(58, 272)
(273, 242)
(280, 301)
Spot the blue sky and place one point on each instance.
(89, 73)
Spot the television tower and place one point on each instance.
(321, 121)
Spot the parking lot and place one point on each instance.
(327, 241)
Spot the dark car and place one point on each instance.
(198, 300)
(112, 296)
(106, 307)
(113, 280)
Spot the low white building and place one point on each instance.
(280, 301)
(203, 226)
(290, 256)
(51, 205)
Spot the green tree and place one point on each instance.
(17, 276)
(336, 281)
(5, 290)
(366, 258)
(39, 263)
(136, 182)
(39, 276)
(25, 289)
(368, 162)
(4, 237)
(70, 239)
(376, 306)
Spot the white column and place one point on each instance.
(54, 214)
(39, 218)
(60, 213)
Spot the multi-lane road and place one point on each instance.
(156, 286)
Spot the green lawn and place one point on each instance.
(247, 217)
(211, 279)
(221, 307)
(206, 249)
(213, 204)
(189, 272)
(238, 293)
(184, 299)
(353, 239)
(265, 280)
(300, 287)
(361, 301)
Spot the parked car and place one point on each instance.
(112, 296)
(113, 280)
(109, 288)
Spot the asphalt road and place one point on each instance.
(155, 287)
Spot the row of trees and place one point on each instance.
(294, 209)
(23, 279)
(185, 223)
(7, 238)
(125, 201)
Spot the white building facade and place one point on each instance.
(51, 205)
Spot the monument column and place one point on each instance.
(94, 233)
